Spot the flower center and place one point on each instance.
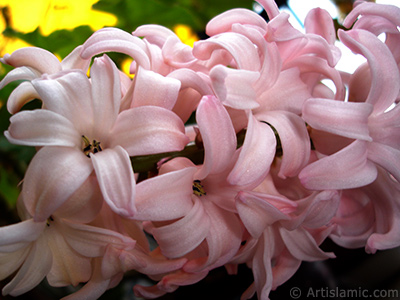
(49, 220)
(198, 188)
(90, 147)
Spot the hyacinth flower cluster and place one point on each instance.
(276, 163)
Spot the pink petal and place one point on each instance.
(257, 212)
(16, 236)
(106, 94)
(280, 29)
(116, 40)
(386, 157)
(223, 239)
(319, 21)
(155, 34)
(21, 73)
(74, 60)
(42, 128)
(116, 180)
(148, 130)
(302, 245)
(270, 7)
(165, 197)
(345, 169)
(294, 139)
(34, 269)
(256, 156)
(21, 95)
(390, 12)
(224, 21)
(39, 59)
(68, 267)
(61, 171)
(284, 96)
(314, 211)
(178, 54)
(91, 241)
(241, 48)
(192, 79)
(384, 71)
(184, 235)
(94, 288)
(348, 119)
(84, 205)
(12, 261)
(234, 87)
(152, 88)
(314, 64)
(68, 94)
(218, 136)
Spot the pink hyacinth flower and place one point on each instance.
(83, 117)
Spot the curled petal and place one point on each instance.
(42, 128)
(386, 157)
(191, 79)
(270, 7)
(348, 119)
(21, 73)
(258, 211)
(152, 88)
(283, 96)
(69, 94)
(54, 174)
(39, 59)
(116, 180)
(224, 21)
(165, 197)
(74, 60)
(256, 156)
(302, 245)
(385, 82)
(320, 66)
(319, 21)
(21, 95)
(390, 12)
(116, 40)
(235, 87)
(184, 235)
(345, 169)
(223, 239)
(218, 136)
(294, 138)
(36, 266)
(148, 130)
(239, 46)
(155, 34)
(280, 29)
(91, 241)
(177, 54)
(16, 236)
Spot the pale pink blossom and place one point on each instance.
(370, 124)
(31, 63)
(369, 217)
(285, 223)
(83, 117)
(57, 248)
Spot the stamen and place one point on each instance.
(50, 219)
(198, 188)
(88, 147)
